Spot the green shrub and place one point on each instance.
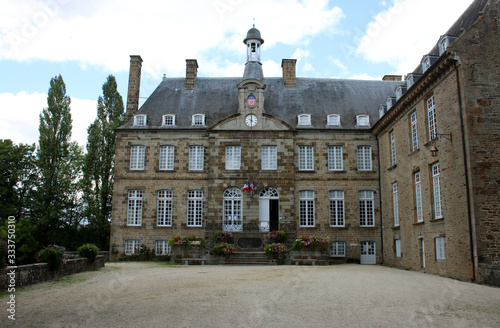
(223, 249)
(89, 251)
(3, 254)
(53, 255)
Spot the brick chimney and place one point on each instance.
(134, 86)
(391, 78)
(191, 71)
(289, 79)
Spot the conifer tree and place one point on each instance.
(98, 169)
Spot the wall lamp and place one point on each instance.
(434, 149)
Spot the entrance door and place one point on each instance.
(274, 214)
(368, 252)
(269, 211)
(422, 255)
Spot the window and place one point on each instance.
(132, 246)
(431, 117)
(440, 248)
(306, 208)
(233, 157)
(426, 63)
(393, 148)
(381, 111)
(169, 120)
(336, 208)
(395, 205)
(196, 157)
(436, 188)
(195, 208)
(333, 120)
(337, 249)
(400, 90)
(198, 120)
(140, 120)
(414, 135)
(269, 157)
(162, 247)
(389, 102)
(137, 154)
(362, 121)
(397, 245)
(335, 158)
(418, 198)
(232, 207)
(364, 158)
(166, 157)
(306, 158)
(304, 119)
(366, 208)
(134, 212)
(164, 208)
(443, 44)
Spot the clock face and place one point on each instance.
(251, 101)
(251, 120)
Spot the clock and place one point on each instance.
(251, 120)
(251, 101)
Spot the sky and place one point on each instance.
(86, 41)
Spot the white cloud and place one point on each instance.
(406, 31)
(164, 33)
(364, 76)
(21, 117)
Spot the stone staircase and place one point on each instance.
(257, 257)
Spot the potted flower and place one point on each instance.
(223, 249)
(277, 251)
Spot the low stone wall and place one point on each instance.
(39, 272)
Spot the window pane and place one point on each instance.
(269, 157)
(335, 158)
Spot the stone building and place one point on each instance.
(255, 154)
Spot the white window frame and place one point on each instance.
(366, 210)
(395, 203)
(364, 158)
(196, 158)
(166, 161)
(306, 208)
(198, 120)
(140, 120)
(269, 157)
(414, 131)
(440, 248)
(431, 117)
(195, 208)
(397, 245)
(362, 121)
(337, 208)
(304, 120)
(443, 44)
(168, 120)
(333, 120)
(306, 158)
(137, 157)
(418, 197)
(162, 248)
(426, 63)
(393, 147)
(232, 216)
(335, 158)
(134, 207)
(233, 157)
(337, 249)
(164, 208)
(436, 188)
(131, 245)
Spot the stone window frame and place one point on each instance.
(164, 208)
(366, 200)
(364, 158)
(306, 158)
(232, 207)
(417, 183)
(414, 130)
(431, 118)
(194, 211)
(392, 147)
(335, 158)
(196, 158)
(166, 159)
(436, 191)
(395, 203)
(137, 157)
(162, 248)
(439, 244)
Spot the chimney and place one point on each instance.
(289, 79)
(391, 78)
(134, 85)
(191, 71)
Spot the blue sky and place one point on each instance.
(85, 41)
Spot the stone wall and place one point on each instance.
(39, 272)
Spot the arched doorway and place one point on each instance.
(269, 209)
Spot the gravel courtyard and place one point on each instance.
(158, 295)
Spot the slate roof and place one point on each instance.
(217, 98)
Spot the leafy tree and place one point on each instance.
(59, 163)
(98, 168)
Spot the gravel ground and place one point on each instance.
(158, 295)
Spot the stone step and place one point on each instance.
(249, 258)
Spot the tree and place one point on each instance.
(59, 164)
(98, 168)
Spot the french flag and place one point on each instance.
(246, 187)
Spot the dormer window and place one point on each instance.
(389, 102)
(333, 120)
(426, 63)
(304, 119)
(140, 120)
(362, 121)
(198, 120)
(444, 42)
(411, 79)
(381, 111)
(400, 90)
(169, 120)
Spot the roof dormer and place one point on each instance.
(444, 42)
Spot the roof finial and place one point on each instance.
(254, 22)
